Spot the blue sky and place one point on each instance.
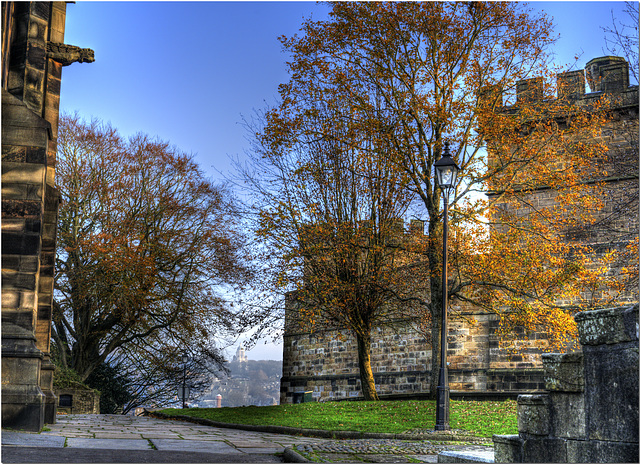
(188, 71)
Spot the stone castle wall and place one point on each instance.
(325, 362)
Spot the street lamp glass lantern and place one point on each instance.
(446, 169)
(185, 358)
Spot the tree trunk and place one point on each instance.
(364, 363)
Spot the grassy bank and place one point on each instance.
(480, 418)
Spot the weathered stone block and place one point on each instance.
(22, 191)
(10, 299)
(36, 56)
(56, 23)
(15, 210)
(611, 391)
(602, 451)
(21, 371)
(28, 299)
(18, 280)
(534, 415)
(53, 85)
(544, 450)
(40, 10)
(607, 326)
(36, 155)
(29, 173)
(528, 90)
(13, 154)
(32, 225)
(507, 448)
(26, 264)
(568, 415)
(22, 407)
(563, 372)
(16, 245)
(571, 84)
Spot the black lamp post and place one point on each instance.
(185, 360)
(447, 171)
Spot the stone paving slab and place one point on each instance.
(17, 454)
(466, 456)
(263, 450)
(426, 458)
(149, 435)
(122, 435)
(109, 443)
(248, 443)
(31, 439)
(132, 439)
(163, 444)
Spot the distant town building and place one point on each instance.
(249, 383)
(240, 355)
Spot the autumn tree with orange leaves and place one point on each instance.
(146, 248)
(328, 214)
(412, 75)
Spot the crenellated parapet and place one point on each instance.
(322, 361)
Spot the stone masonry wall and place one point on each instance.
(83, 401)
(616, 224)
(326, 362)
(31, 78)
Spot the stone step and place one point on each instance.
(467, 456)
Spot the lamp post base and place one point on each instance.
(442, 406)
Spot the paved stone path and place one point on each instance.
(117, 438)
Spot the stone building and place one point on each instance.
(240, 355)
(325, 362)
(33, 54)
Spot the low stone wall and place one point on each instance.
(589, 412)
(78, 401)
(326, 362)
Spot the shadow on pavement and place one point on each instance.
(22, 454)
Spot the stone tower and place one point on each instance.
(33, 54)
(240, 355)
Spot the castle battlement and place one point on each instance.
(324, 361)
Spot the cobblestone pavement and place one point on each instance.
(382, 450)
(147, 439)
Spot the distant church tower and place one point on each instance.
(240, 355)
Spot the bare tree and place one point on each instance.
(622, 36)
(146, 249)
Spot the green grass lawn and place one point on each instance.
(480, 418)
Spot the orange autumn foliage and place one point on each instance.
(393, 82)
